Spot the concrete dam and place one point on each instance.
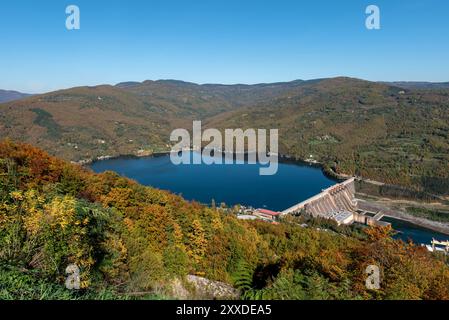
(337, 203)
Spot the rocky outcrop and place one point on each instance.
(209, 289)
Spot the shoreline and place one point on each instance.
(282, 157)
(329, 173)
(88, 162)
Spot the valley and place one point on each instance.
(352, 127)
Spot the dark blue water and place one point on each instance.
(241, 184)
(231, 184)
(419, 235)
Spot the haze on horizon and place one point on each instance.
(222, 41)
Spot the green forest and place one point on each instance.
(127, 238)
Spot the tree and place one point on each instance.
(197, 242)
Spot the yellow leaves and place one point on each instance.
(119, 198)
(129, 223)
(16, 195)
(33, 211)
(197, 241)
(5, 213)
(178, 236)
(86, 262)
(217, 224)
(60, 212)
(83, 222)
(32, 223)
(84, 284)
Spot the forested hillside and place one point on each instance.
(90, 122)
(361, 128)
(374, 130)
(128, 239)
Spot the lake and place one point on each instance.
(231, 184)
(241, 184)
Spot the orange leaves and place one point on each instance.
(119, 198)
(142, 237)
(129, 223)
(377, 233)
(407, 271)
(155, 221)
(178, 236)
(35, 167)
(197, 241)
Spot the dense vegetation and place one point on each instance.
(435, 215)
(89, 122)
(395, 133)
(127, 238)
(361, 128)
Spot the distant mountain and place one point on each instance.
(7, 95)
(89, 122)
(421, 85)
(128, 84)
(375, 130)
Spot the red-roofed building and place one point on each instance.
(267, 214)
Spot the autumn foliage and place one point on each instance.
(129, 238)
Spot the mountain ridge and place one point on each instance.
(352, 126)
(11, 95)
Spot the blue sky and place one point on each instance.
(219, 41)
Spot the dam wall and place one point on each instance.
(340, 197)
(337, 203)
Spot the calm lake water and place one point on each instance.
(240, 184)
(418, 234)
(232, 184)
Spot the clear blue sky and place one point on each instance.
(220, 41)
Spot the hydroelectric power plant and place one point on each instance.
(337, 203)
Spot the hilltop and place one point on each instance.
(9, 95)
(88, 122)
(420, 85)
